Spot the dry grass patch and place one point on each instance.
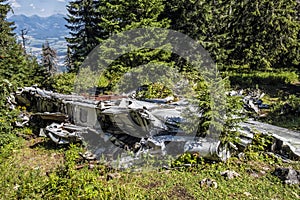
(30, 157)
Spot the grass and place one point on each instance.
(272, 81)
(36, 172)
(280, 87)
(291, 123)
(284, 111)
(38, 169)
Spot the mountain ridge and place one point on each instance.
(41, 29)
(41, 8)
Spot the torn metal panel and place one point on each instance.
(23, 120)
(109, 127)
(211, 149)
(286, 142)
(61, 134)
(252, 100)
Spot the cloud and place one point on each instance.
(61, 0)
(14, 4)
(32, 5)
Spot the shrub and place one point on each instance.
(63, 83)
(7, 117)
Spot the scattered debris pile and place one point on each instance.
(111, 126)
(252, 100)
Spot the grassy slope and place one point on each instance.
(277, 84)
(33, 172)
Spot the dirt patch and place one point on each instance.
(31, 158)
(152, 185)
(180, 192)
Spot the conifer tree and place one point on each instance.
(260, 33)
(204, 21)
(16, 69)
(83, 19)
(49, 59)
(15, 65)
(68, 61)
(124, 15)
(265, 33)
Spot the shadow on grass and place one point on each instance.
(47, 144)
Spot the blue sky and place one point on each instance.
(39, 7)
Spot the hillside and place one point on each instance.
(40, 29)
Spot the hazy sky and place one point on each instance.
(39, 7)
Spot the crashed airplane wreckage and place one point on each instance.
(113, 125)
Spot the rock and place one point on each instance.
(255, 175)
(262, 172)
(91, 166)
(208, 183)
(111, 176)
(230, 174)
(288, 175)
(247, 194)
(16, 187)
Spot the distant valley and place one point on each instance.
(41, 29)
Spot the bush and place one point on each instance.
(154, 90)
(7, 117)
(63, 83)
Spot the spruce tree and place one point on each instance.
(83, 19)
(124, 15)
(68, 61)
(265, 34)
(205, 21)
(15, 65)
(49, 59)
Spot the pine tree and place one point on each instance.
(15, 65)
(49, 59)
(265, 33)
(83, 20)
(124, 15)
